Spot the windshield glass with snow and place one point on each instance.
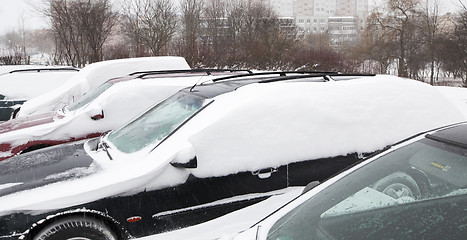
(88, 97)
(415, 192)
(156, 124)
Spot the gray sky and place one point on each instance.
(12, 10)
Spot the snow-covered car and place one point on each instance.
(92, 76)
(208, 150)
(415, 190)
(105, 108)
(15, 85)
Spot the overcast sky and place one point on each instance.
(12, 10)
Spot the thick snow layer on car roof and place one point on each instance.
(262, 125)
(457, 95)
(26, 85)
(94, 75)
(283, 122)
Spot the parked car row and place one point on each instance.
(188, 146)
(104, 108)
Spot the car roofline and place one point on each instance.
(270, 77)
(208, 71)
(46, 69)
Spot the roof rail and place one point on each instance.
(208, 71)
(327, 77)
(45, 69)
(279, 73)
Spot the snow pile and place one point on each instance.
(273, 124)
(94, 75)
(27, 85)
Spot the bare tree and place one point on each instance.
(399, 21)
(460, 43)
(255, 36)
(191, 17)
(377, 46)
(214, 34)
(80, 28)
(150, 24)
(430, 29)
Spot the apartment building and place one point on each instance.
(342, 19)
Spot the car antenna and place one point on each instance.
(199, 80)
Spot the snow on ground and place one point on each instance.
(27, 85)
(94, 75)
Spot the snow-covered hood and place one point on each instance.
(46, 166)
(29, 121)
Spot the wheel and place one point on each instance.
(398, 185)
(76, 228)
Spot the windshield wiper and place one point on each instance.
(104, 145)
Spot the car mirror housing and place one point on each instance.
(193, 163)
(96, 114)
(310, 186)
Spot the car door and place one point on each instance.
(201, 199)
(304, 172)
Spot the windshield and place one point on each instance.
(157, 123)
(88, 97)
(415, 192)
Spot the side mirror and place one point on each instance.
(310, 186)
(193, 163)
(97, 116)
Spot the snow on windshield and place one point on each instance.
(94, 75)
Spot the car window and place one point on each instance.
(157, 123)
(88, 97)
(415, 192)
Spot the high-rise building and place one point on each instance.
(341, 19)
(312, 16)
(283, 7)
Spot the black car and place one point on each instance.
(186, 160)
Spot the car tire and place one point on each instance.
(76, 228)
(398, 185)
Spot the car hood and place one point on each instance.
(45, 166)
(29, 121)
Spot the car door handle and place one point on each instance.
(264, 173)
